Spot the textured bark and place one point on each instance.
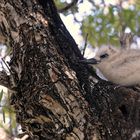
(54, 96)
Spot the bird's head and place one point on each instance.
(103, 54)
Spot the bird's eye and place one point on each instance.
(105, 55)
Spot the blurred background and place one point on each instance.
(92, 23)
(101, 22)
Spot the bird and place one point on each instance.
(119, 66)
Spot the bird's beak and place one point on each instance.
(90, 61)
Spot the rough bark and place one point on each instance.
(54, 96)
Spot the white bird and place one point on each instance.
(120, 66)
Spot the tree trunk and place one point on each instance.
(54, 96)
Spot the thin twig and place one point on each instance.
(74, 2)
(6, 64)
(85, 45)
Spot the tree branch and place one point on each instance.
(74, 2)
(4, 79)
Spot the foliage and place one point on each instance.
(104, 20)
(8, 120)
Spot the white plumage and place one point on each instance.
(120, 66)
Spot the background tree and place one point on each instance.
(54, 96)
